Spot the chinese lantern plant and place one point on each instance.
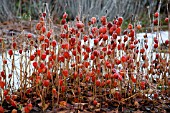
(98, 66)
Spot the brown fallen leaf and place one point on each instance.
(43, 107)
(136, 104)
(63, 103)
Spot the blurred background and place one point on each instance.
(26, 9)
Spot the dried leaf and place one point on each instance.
(150, 91)
(112, 91)
(90, 98)
(97, 110)
(82, 84)
(63, 103)
(98, 105)
(43, 107)
(136, 104)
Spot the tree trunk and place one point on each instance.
(86, 8)
(6, 10)
(99, 8)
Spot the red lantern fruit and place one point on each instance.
(95, 102)
(65, 73)
(156, 15)
(166, 19)
(10, 52)
(46, 83)
(1, 109)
